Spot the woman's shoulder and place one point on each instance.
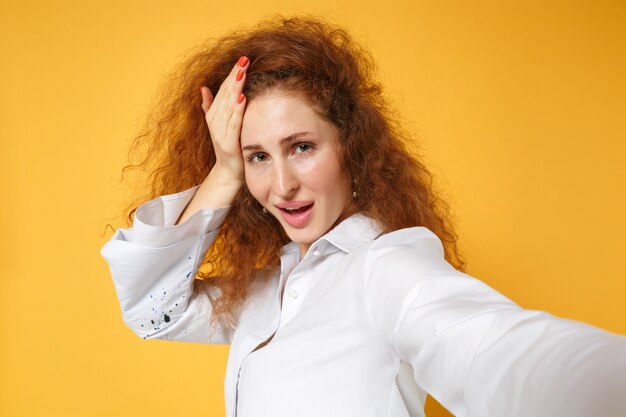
(416, 241)
(363, 231)
(408, 237)
(415, 249)
(411, 249)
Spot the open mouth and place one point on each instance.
(297, 216)
(295, 211)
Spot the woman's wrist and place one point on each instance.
(223, 177)
(218, 190)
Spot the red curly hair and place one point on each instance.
(298, 54)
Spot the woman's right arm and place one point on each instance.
(153, 266)
(224, 116)
(154, 263)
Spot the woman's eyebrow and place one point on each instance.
(283, 141)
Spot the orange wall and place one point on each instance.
(520, 108)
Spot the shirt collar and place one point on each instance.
(348, 235)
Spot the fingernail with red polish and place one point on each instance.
(242, 61)
(240, 99)
(239, 75)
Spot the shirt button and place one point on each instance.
(316, 252)
(293, 294)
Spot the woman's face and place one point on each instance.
(293, 166)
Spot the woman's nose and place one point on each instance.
(285, 181)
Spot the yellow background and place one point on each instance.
(521, 111)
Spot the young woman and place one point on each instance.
(326, 260)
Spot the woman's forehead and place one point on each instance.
(275, 116)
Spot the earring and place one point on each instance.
(354, 193)
(264, 210)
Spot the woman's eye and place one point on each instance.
(303, 147)
(257, 158)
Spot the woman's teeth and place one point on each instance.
(296, 210)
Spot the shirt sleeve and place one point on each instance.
(477, 352)
(153, 266)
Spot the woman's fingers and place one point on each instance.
(236, 114)
(234, 100)
(236, 120)
(224, 116)
(226, 97)
(232, 86)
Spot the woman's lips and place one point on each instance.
(296, 215)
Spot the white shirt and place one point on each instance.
(367, 325)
